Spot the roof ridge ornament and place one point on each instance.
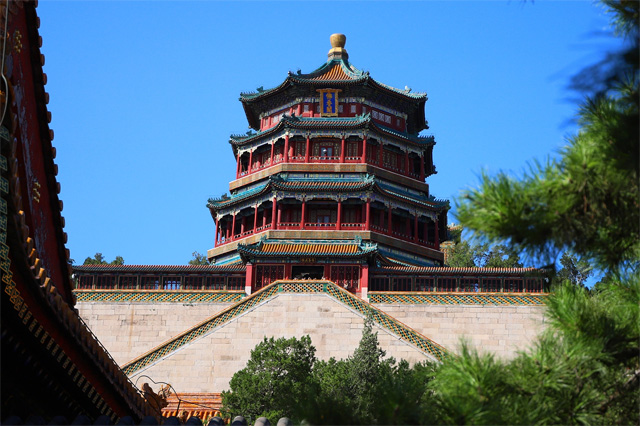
(337, 47)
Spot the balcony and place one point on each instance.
(329, 226)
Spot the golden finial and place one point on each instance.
(337, 47)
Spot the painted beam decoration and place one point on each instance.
(329, 102)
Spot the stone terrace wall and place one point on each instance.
(503, 330)
(129, 329)
(207, 364)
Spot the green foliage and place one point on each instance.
(198, 259)
(98, 259)
(585, 368)
(587, 200)
(465, 254)
(574, 270)
(281, 379)
(277, 377)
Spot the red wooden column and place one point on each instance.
(415, 228)
(248, 283)
(255, 219)
(406, 163)
(279, 215)
(422, 167)
(250, 162)
(273, 145)
(389, 224)
(286, 148)
(233, 226)
(437, 237)
(287, 271)
(364, 282)
(303, 214)
(264, 218)
(339, 223)
(238, 167)
(364, 150)
(367, 214)
(242, 224)
(342, 150)
(226, 231)
(307, 149)
(274, 215)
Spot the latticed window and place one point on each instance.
(171, 283)
(345, 276)
(425, 284)
(352, 149)
(235, 283)
(469, 285)
(534, 285)
(402, 284)
(266, 274)
(128, 282)
(213, 282)
(514, 285)
(192, 282)
(85, 281)
(149, 282)
(446, 284)
(105, 281)
(491, 285)
(390, 159)
(350, 215)
(379, 284)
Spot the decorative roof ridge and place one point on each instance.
(430, 201)
(255, 248)
(290, 121)
(349, 69)
(430, 139)
(361, 118)
(406, 92)
(285, 177)
(260, 91)
(238, 195)
(444, 270)
(118, 268)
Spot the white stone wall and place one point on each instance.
(207, 364)
(503, 330)
(129, 329)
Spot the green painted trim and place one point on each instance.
(152, 296)
(288, 287)
(497, 299)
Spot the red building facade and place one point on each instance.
(330, 183)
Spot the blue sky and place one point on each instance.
(144, 96)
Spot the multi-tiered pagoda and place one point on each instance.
(331, 181)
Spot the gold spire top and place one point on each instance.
(337, 47)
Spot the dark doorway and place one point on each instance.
(307, 272)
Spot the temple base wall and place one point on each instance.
(207, 364)
(502, 330)
(129, 329)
